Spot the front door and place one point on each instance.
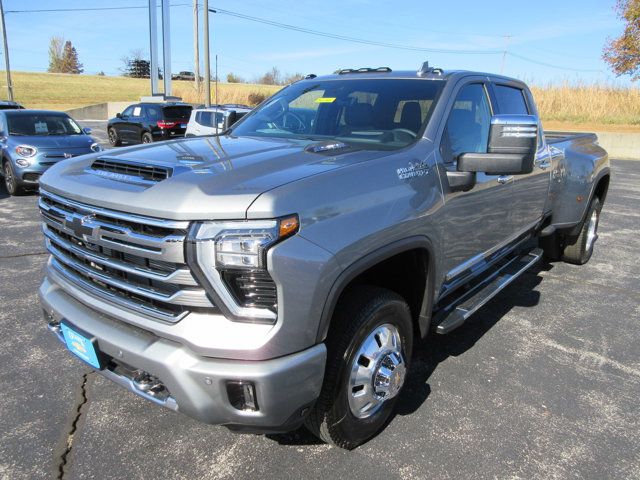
(479, 220)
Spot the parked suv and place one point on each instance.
(34, 140)
(9, 105)
(149, 122)
(215, 119)
(184, 75)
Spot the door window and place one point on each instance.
(467, 128)
(511, 100)
(137, 112)
(127, 111)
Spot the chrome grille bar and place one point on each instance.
(132, 260)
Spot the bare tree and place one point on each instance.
(56, 54)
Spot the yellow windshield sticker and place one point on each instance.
(325, 100)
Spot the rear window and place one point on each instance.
(511, 100)
(177, 113)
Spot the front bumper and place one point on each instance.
(285, 387)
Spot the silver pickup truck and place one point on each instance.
(283, 272)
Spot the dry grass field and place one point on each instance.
(568, 106)
(58, 91)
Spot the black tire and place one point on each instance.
(114, 138)
(360, 312)
(10, 180)
(147, 138)
(578, 249)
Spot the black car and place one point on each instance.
(149, 122)
(9, 105)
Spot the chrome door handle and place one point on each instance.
(502, 179)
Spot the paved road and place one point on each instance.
(543, 382)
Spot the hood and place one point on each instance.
(210, 177)
(55, 142)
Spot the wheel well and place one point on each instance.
(405, 273)
(602, 188)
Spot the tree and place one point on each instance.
(272, 77)
(56, 52)
(63, 57)
(623, 53)
(70, 62)
(294, 77)
(233, 78)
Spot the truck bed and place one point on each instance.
(558, 137)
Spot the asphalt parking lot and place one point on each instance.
(543, 382)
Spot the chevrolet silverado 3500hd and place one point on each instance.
(282, 273)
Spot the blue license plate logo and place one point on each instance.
(80, 345)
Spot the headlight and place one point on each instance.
(26, 150)
(95, 147)
(232, 258)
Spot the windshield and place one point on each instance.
(42, 124)
(368, 113)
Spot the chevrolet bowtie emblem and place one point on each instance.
(79, 225)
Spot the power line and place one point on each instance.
(550, 65)
(89, 9)
(354, 39)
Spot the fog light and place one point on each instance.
(22, 162)
(242, 395)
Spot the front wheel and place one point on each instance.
(114, 138)
(10, 180)
(368, 352)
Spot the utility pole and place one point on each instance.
(6, 55)
(166, 46)
(153, 46)
(196, 45)
(217, 79)
(507, 38)
(207, 69)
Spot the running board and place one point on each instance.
(457, 313)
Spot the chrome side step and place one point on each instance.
(456, 313)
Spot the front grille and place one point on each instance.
(145, 172)
(137, 262)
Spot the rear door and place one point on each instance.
(478, 221)
(529, 190)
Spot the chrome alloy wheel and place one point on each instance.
(592, 230)
(378, 371)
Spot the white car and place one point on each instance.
(215, 119)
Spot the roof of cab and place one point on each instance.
(432, 74)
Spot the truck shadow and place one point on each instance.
(435, 349)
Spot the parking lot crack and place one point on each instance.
(20, 255)
(65, 446)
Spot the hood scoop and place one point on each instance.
(130, 172)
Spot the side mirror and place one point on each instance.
(229, 119)
(87, 130)
(513, 141)
(118, 115)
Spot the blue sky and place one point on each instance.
(568, 34)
